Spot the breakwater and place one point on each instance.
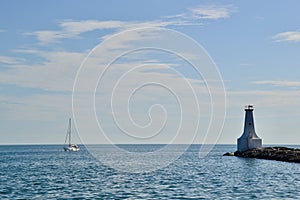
(272, 153)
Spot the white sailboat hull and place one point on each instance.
(72, 148)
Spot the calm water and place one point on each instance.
(47, 172)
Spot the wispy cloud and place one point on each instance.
(212, 12)
(2, 30)
(72, 29)
(55, 73)
(10, 60)
(46, 36)
(278, 83)
(289, 36)
(273, 103)
(207, 12)
(31, 107)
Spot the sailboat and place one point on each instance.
(70, 147)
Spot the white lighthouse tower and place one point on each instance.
(249, 139)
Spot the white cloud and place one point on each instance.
(212, 12)
(45, 37)
(289, 36)
(56, 73)
(272, 103)
(206, 12)
(10, 60)
(77, 27)
(2, 30)
(73, 29)
(277, 114)
(278, 83)
(41, 107)
(127, 78)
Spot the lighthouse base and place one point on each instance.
(245, 144)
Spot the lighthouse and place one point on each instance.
(249, 139)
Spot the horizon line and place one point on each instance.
(16, 144)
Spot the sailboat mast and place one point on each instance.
(69, 131)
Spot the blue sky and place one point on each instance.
(254, 44)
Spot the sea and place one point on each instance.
(47, 172)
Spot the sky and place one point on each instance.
(148, 71)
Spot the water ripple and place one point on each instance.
(46, 172)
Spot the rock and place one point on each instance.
(272, 153)
(228, 154)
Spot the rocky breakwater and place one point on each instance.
(272, 153)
